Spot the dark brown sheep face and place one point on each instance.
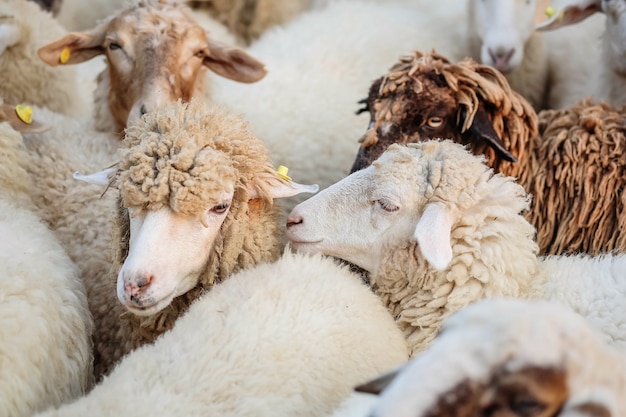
(414, 109)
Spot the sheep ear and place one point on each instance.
(233, 63)
(432, 233)
(571, 14)
(10, 34)
(99, 178)
(481, 131)
(378, 385)
(74, 48)
(284, 189)
(20, 125)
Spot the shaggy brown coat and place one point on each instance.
(170, 161)
(571, 161)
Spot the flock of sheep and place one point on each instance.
(464, 256)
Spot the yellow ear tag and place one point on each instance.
(65, 55)
(282, 172)
(25, 113)
(550, 11)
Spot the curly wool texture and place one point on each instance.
(183, 156)
(494, 253)
(571, 161)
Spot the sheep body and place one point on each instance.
(446, 233)
(25, 79)
(291, 337)
(44, 318)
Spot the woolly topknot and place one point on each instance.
(184, 156)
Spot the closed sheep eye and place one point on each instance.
(219, 209)
(387, 205)
(435, 121)
(527, 407)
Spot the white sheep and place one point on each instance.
(167, 62)
(604, 78)
(25, 27)
(304, 107)
(539, 66)
(437, 230)
(509, 357)
(46, 328)
(286, 338)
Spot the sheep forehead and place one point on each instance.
(487, 339)
(157, 18)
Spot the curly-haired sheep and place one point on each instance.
(156, 52)
(46, 328)
(509, 357)
(24, 27)
(289, 338)
(197, 179)
(570, 160)
(436, 229)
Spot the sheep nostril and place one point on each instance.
(294, 220)
(144, 280)
(143, 110)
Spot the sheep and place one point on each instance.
(194, 177)
(436, 230)
(52, 6)
(309, 94)
(605, 74)
(487, 361)
(156, 53)
(45, 323)
(24, 27)
(560, 154)
(285, 338)
(542, 67)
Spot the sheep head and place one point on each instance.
(156, 54)
(502, 28)
(508, 357)
(190, 178)
(414, 193)
(424, 96)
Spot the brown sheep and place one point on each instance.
(571, 161)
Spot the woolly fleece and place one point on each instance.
(288, 338)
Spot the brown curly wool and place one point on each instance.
(182, 156)
(571, 161)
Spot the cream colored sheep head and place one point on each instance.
(508, 357)
(415, 193)
(425, 96)
(156, 53)
(188, 177)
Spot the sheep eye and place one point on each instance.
(435, 121)
(527, 407)
(387, 205)
(199, 54)
(114, 45)
(220, 208)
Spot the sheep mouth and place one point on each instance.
(150, 306)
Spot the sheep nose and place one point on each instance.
(293, 220)
(142, 109)
(134, 287)
(501, 57)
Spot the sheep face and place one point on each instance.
(414, 102)
(405, 196)
(156, 54)
(507, 357)
(168, 252)
(503, 28)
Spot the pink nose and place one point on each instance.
(501, 57)
(293, 220)
(135, 287)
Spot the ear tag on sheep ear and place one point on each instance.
(25, 113)
(432, 234)
(282, 172)
(65, 55)
(98, 178)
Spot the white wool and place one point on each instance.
(504, 333)
(319, 67)
(24, 78)
(288, 338)
(46, 327)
